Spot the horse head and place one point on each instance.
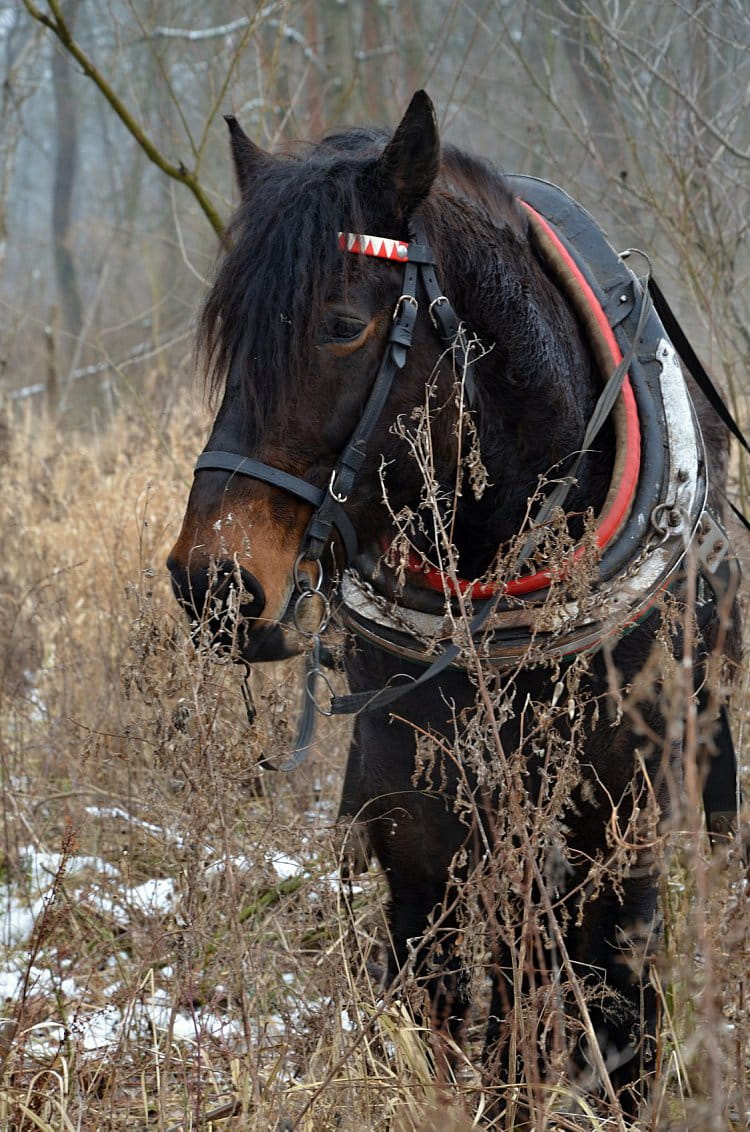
(296, 333)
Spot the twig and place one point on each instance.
(58, 27)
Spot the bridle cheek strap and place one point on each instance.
(351, 459)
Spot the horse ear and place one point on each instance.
(248, 158)
(412, 157)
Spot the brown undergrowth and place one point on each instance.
(177, 950)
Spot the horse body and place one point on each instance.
(408, 816)
(293, 332)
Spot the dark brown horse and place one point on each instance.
(403, 410)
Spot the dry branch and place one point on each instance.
(57, 26)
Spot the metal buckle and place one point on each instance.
(404, 299)
(436, 303)
(332, 491)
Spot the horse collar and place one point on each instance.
(655, 508)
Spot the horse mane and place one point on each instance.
(261, 316)
(260, 320)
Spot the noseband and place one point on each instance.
(328, 502)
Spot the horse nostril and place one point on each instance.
(253, 598)
(189, 587)
(206, 590)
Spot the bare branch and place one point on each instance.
(197, 34)
(57, 26)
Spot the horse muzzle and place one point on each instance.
(225, 602)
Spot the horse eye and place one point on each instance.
(341, 328)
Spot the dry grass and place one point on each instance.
(177, 951)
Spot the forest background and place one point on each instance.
(152, 905)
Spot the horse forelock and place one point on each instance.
(263, 312)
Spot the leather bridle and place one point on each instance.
(328, 502)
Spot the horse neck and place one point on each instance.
(536, 390)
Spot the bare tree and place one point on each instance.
(65, 170)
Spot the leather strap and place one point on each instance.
(721, 787)
(295, 485)
(443, 317)
(381, 697)
(679, 340)
(306, 722)
(244, 466)
(351, 459)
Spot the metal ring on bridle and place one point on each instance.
(314, 674)
(404, 299)
(324, 618)
(301, 581)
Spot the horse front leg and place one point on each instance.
(415, 844)
(613, 947)
(426, 947)
(407, 817)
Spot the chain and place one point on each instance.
(309, 590)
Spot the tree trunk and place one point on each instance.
(66, 164)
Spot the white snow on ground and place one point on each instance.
(39, 978)
(17, 919)
(93, 1027)
(18, 915)
(131, 820)
(153, 896)
(239, 863)
(285, 867)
